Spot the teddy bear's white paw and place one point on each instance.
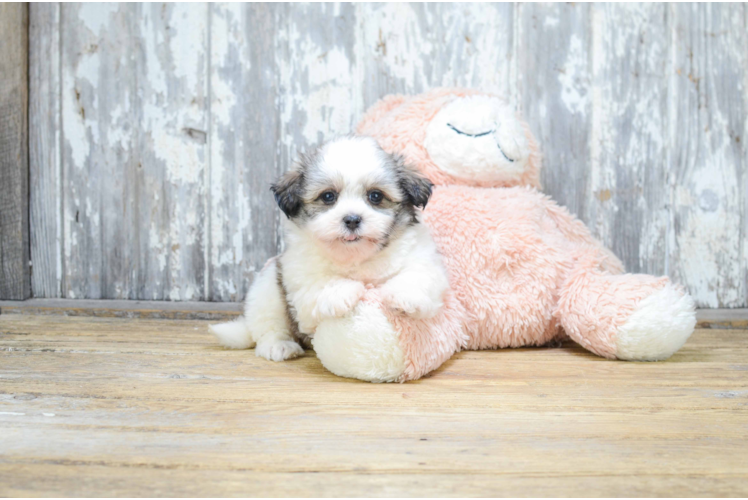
(278, 350)
(414, 303)
(658, 327)
(338, 299)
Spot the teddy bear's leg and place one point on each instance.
(363, 345)
(632, 317)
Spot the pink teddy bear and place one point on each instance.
(523, 271)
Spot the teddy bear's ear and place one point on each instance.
(416, 187)
(288, 192)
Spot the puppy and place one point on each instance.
(351, 223)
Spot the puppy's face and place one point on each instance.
(352, 197)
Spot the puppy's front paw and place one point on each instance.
(338, 299)
(278, 350)
(414, 303)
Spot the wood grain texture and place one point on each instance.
(411, 48)
(99, 151)
(105, 406)
(554, 87)
(15, 280)
(194, 110)
(244, 139)
(45, 169)
(625, 203)
(134, 119)
(708, 153)
(722, 318)
(49, 479)
(173, 153)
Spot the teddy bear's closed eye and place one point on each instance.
(482, 134)
(470, 135)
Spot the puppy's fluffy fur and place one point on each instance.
(352, 223)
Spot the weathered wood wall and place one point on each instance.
(15, 282)
(157, 128)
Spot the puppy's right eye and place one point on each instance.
(328, 197)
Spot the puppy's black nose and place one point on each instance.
(352, 221)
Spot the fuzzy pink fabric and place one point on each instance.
(426, 343)
(521, 267)
(593, 306)
(512, 254)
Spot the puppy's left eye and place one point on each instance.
(375, 197)
(328, 197)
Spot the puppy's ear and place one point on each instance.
(288, 192)
(416, 187)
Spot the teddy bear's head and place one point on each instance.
(457, 136)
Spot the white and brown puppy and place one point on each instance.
(352, 223)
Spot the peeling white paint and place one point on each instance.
(573, 88)
(153, 40)
(96, 16)
(393, 30)
(627, 146)
(550, 22)
(188, 42)
(190, 154)
(708, 201)
(75, 127)
(710, 219)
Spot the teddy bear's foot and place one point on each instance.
(361, 345)
(658, 327)
(632, 317)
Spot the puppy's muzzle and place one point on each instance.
(352, 221)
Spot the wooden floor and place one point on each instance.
(112, 407)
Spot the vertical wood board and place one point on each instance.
(45, 168)
(410, 48)
(14, 166)
(626, 204)
(554, 80)
(134, 121)
(708, 101)
(244, 141)
(160, 128)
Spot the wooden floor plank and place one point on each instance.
(51, 478)
(224, 311)
(132, 407)
(150, 309)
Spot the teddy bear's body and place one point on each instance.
(523, 271)
(509, 252)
